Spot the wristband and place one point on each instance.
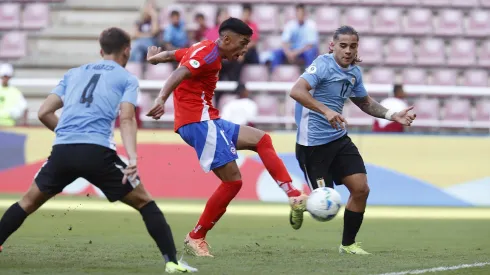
(389, 114)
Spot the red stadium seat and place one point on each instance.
(431, 52)
(136, 68)
(35, 16)
(405, 2)
(387, 21)
(456, 113)
(158, 72)
(254, 73)
(449, 23)
(370, 50)
(13, 45)
(235, 10)
(482, 111)
(478, 23)
(344, 2)
(373, 2)
(381, 75)
(484, 54)
(285, 73)
(359, 18)
(355, 116)
(268, 105)
(475, 77)
(436, 3)
(445, 77)
(462, 52)
(9, 16)
(327, 19)
(169, 106)
(400, 51)
(414, 76)
(485, 3)
(428, 112)
(465, 3)
(289, 13)
(271, 42)
(419, 22)
(266, 17)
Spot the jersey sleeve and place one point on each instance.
(358, 89)
(131, 91)
(60, 89)
(179, 54)
(202, 60)
(314, 73)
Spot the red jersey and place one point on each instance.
(193, 97)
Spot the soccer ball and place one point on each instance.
(323, 204)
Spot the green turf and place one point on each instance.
(117, 243)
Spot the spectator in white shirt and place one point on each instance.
(242, 110)
(396, 103)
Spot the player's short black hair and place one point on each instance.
(247, 6)
(347, 30)
(235, 25)
(114, 40)
(174, 13)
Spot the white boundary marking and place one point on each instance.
(437, 269)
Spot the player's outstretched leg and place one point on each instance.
(256, 140)
(195, 243)
(354, 213)
(158, 228)
(16, 214)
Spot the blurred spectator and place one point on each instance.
(396, 103)
(145, 32)
(201, 27)
(241, 110)
(300, 41)
(12, 103)
(213, 33)
(251, 57)
(175, 35)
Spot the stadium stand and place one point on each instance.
(440, 49)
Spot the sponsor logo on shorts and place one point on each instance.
(194, 63)
(233, 150)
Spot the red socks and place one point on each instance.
(215, 208)
(275, 166)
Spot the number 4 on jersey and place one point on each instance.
(88, 91)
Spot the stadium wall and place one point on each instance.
(402, 169)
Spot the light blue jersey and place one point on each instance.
(331, 85)
(91, 97)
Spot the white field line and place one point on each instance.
(437, 269)
(265, 209)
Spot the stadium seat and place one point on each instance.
(387, 21)
(289, 13)
(485, 3)
(35, 16)
(399, 52)
(414, 76)
(445, 77)
(475, 77)
(465, 3)
(344, 2)
(327, 19)
(370, 50)
(482, 111)
(271, 42)
(359, 18)
(478, 23)
(381, 75)
(158, 72)
(484, 54)
(456, 113)
(254, 73)
(355, 116)
(235, 10)
(373, 2)
(209, 12)
(266, 17)
(428, 112)
(436, 3)
(169, 105)
(225, 98)
(431, 51)
(136, 68)
(418, 22)
(268, 105)
(449, 23)
(285, 73)
(145, 102)
(404, 2)
(9, 16)
(461, 52)
(13, 45)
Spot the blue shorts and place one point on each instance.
(213, 140)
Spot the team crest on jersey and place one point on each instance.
(194, 63)
(353, 81)
(311, 69)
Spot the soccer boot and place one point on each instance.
(196, 247)
(298, 207)
(354, 248)
(182, 267)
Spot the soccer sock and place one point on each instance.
(159, 230)
(275, 166)
(352, 223)
(11, 221)
(215, 208)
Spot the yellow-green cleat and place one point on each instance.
(182, 267)
(298, 207)
(354, 248)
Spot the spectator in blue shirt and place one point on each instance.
(300, 41)
(175, 35)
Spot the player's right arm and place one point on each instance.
(155, 55)
(301, 93)
(53, 102)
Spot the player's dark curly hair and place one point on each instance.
(114, 40)
(235, 25)
(346, 30)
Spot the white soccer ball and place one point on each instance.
(323, 204)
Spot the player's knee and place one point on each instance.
(362, 191)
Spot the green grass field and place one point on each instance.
(73, 240)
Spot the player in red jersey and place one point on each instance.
(216, 140)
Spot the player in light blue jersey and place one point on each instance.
(92, 96)
(324, 151)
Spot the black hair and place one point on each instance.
(346, 30)
(199, 15)
(396, 88)
(114, 40)
(235, 25)
(174, 13)
(300, 6)
(240, 88)
(247, 6)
